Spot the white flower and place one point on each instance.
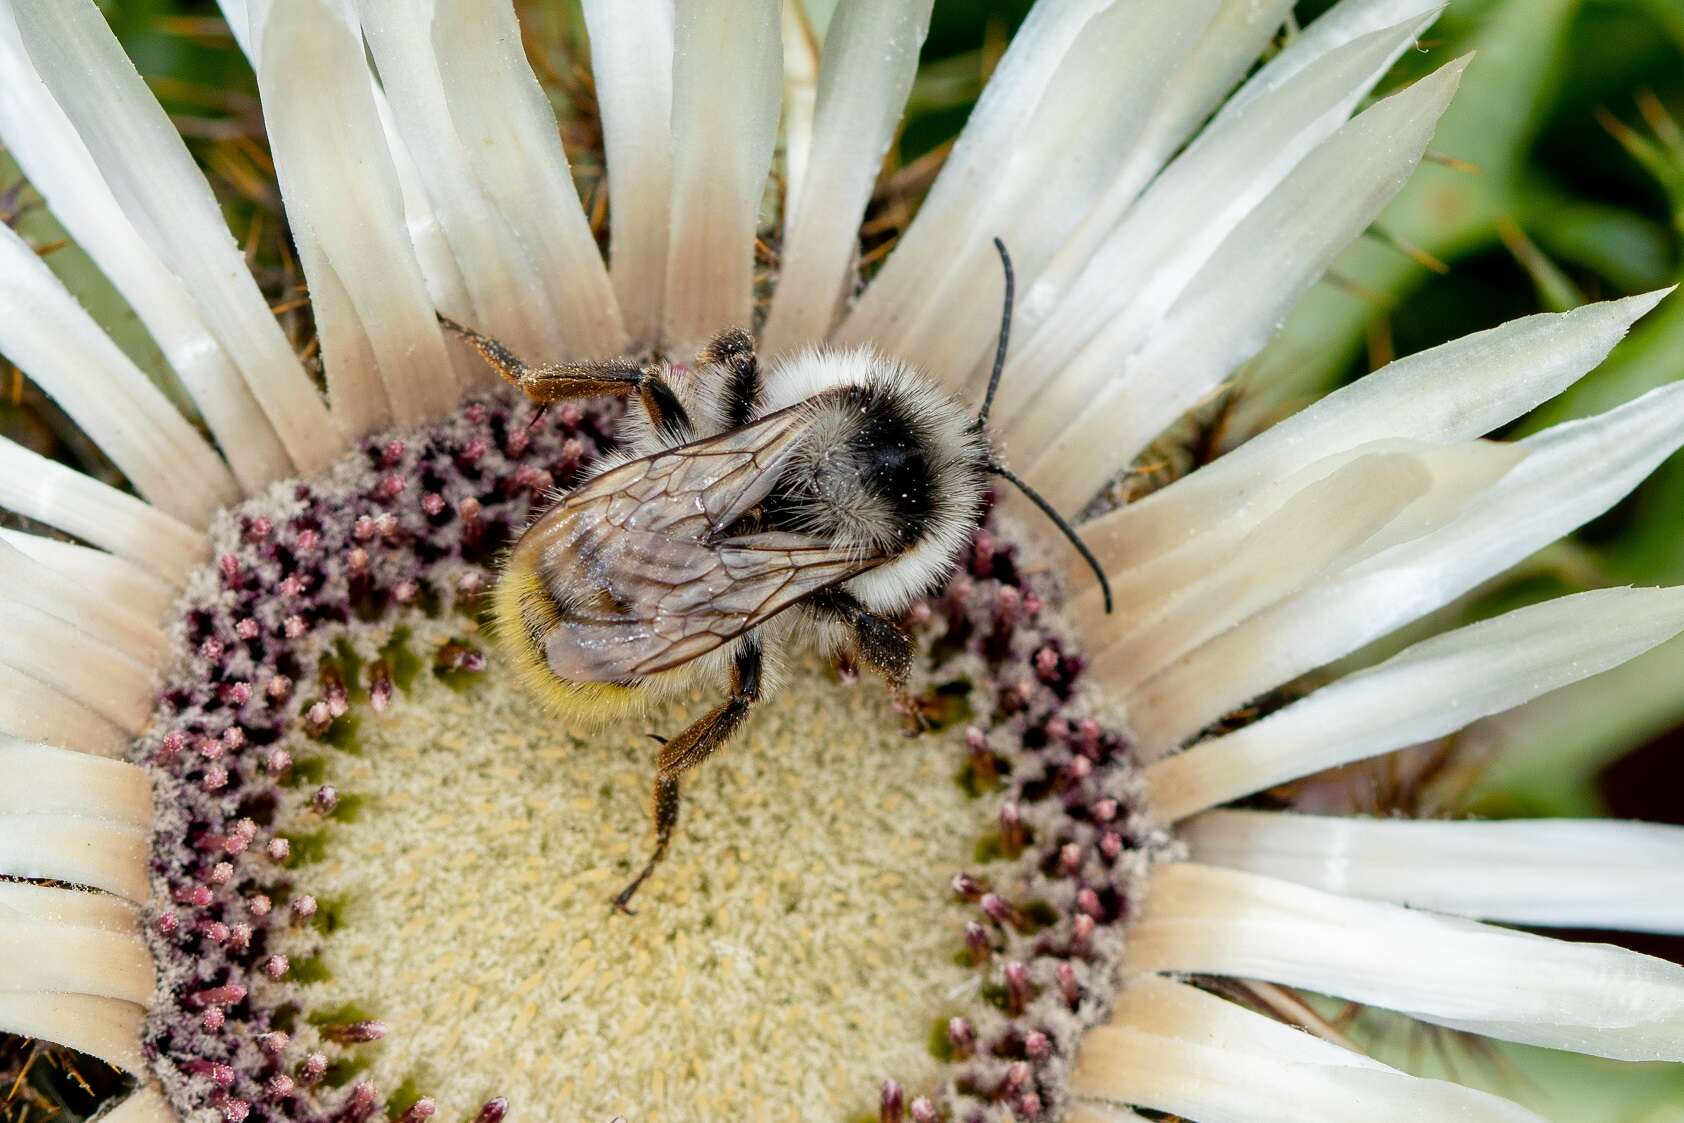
(1163, 221)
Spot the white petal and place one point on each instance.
(1581, 873)
(1545, 496)
(76, 663)
(1165, 1008)
(40, 137)
(1233, 1085)
(1430, 690)
(1103, 1113)
(1461, 390)
(870, 58)
(384, 353)
(31, 710)
(1457, 473)
(1590, 998)
(73, 942)
(50, 493)
(438, 264)
(1033, 160)
(631, 62)
(107, 1028)
(34, 585)
(1317, 528)
(1235, 36)
(78, 851)
(98, 573)
(42, 780)
(507, 295)
(727, 67)
(57, 344)
(164, 195)
(508, 128)
(800, 97)
(1145, 263)
(145, 1106)
(1243, 293)
(1345, 21)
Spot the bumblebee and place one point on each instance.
(746, 511)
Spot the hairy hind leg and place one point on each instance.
(689, 749)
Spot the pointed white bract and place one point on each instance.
(1103, 1113)
(1243, 292)
(107, 1028)
(1052, 130)
(631, 62)
(1542, 499)
(1431, 690)
(1320, 527)
(432, 252)
(1170, 1012)
(870, 58)
(151, 174)
(147, 1105)
(508, 299)
(54, 341)
(381, 348)
(44, 143)
(1456, 473)
(1230, 44)
(66, 940)
(727, 72)
(65, 499)
(1346, 21)
(508, 129)
(75, 662)
(32, 710)
(30, 583)
(43, 780)
(1591, 998)
(1165, 1008)
(77, 819)
(78, 851)
(97, 574)
(1551, 872)
(1456, 392)
(800, 98)
(1217, 1084)
(1144, 264)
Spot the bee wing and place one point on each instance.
(645, 583)
(700, 488)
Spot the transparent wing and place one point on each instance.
(642, 578)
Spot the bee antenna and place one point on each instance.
(1058, 520)
(1005, 337)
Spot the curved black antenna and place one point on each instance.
(1035, 497)
(1005, 336)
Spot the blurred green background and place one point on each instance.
(1557, 178)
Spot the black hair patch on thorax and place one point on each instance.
(893, 457)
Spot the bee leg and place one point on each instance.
(560, 382)
(690, 748)
(879, 643)
(733, 350)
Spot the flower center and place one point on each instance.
(793, 949)
(406, 910)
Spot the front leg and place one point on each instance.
(879, 643)
(560, 382)
(689, 749)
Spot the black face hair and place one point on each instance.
(994, 464)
